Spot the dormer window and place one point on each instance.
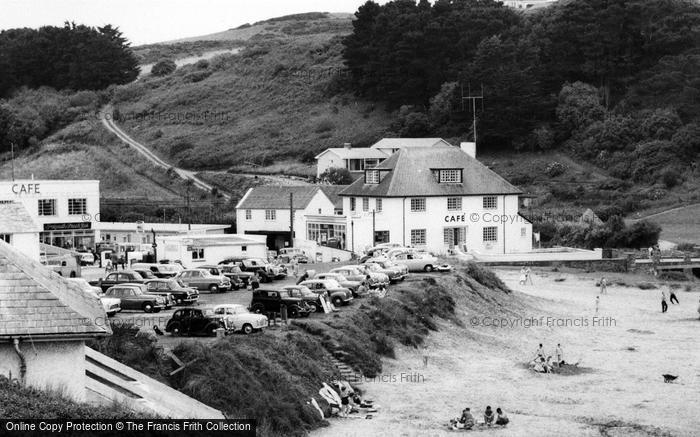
(372, 176)
(448, 176)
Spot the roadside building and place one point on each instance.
(193, 250)
(265, 210)
(44, 323)
(528, 4)
(140, 232)
(392, 145)
(64, 210)
(438, 199)
(17, 228)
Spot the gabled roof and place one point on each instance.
(405, 143)
(14, 219)
(409, 173)
(37, 303)
(354, 153)
(277, 197)
(333, 194)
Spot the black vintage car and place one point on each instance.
(271, 301)
(236, 281)
(194, 321)
(174, 287)
(116, 278)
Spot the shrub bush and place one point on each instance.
(555, 169)
(163, 68)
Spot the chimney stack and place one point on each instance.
(469, 148)
(347, 146)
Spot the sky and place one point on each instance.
(150, 21)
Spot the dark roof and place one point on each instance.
(333, 193)
(35, 302)
(277, 197)
(406, 143)
(409, 173)
(14, 219)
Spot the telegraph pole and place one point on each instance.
(472, 99)
(291, 219)
(374, 230)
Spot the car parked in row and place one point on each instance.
(116, 278)
(111, 305)
(236, 282)
(135, 297)
(194, 321)
(376, 279)
(394, 274)
(239, 318)
(417, 262)
(203, 280)
(395, 271)
(266, 271)
(182, 294)
(313, 300)
(159, 270)
(271, 301)
(234, 271)
(354, 286)
(337, 294)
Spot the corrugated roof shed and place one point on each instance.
(409, 172)
(277, 197)
(14, 219)
(37, 303)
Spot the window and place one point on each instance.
(197, 254)
(490, 202)
(244, 248)
(452, 176)
(371, 162)
(418, 204)
(6, 238)
(523, 232)
(356, 164)
(248, 214)
(378, 206)
(77, 206)
(352, 204)
(47, 206)
(372, 177)
(490, 234)
(417, 237)
(365, 203)
(454, 203)
(319, 211)
(270, 214)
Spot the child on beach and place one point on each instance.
(488, 416)
(502, 419)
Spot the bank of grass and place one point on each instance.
(30, 403)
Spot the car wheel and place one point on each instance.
(428, 268)
(156, 310)
(247, 329)
(148, 307)
(175, 330)
(212, 330)
(314, 307)
(178, 301)
(293, 312)
(213, 288)
(337, 301)
(258, 308)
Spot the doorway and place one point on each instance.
(456, 236)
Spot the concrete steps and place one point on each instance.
(346, 372)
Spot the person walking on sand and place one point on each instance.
(672, 293)
(560, 355)
(664, 305)
(597, 304)
(528, 275)
(540, 352)
(603, 285)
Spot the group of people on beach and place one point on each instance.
(466, 421)
(672, 297)
(541, 364)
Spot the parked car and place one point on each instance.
(116, 278)
(394, 274)
(292, 254)
(239, 318)
(236, 282)
(203, 280)
(194, 321)
(393, 266)
(308, 296)
(376, 279)
(338, 294)
(357, 273)
(111, 305)
(135, 297)
(145, 273)
(353, 286)
(182, 294)
(86, 258)
(234, 271)
(264, 269)
(159, 270)
(271, 301)
(417, 262)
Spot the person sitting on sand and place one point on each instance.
(548, 366)
(502, 419)
(488, 416)
(538, 365)
(467, 420)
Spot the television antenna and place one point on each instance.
(472, 98)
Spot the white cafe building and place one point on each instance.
(64, 210)
(435, 198)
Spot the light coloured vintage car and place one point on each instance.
(418, 262)
(360, 273)
(354, 286)
(238, 318)
(111, 305)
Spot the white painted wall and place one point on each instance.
(58, 365)
(397, 211)
(328, 160)
(176, 249)
(27, 243)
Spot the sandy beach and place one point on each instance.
(622, 351)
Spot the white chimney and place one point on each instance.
(347, 146)
(469, 148)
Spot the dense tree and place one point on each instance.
(336, 176)
(579, 106)
(73, 56)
